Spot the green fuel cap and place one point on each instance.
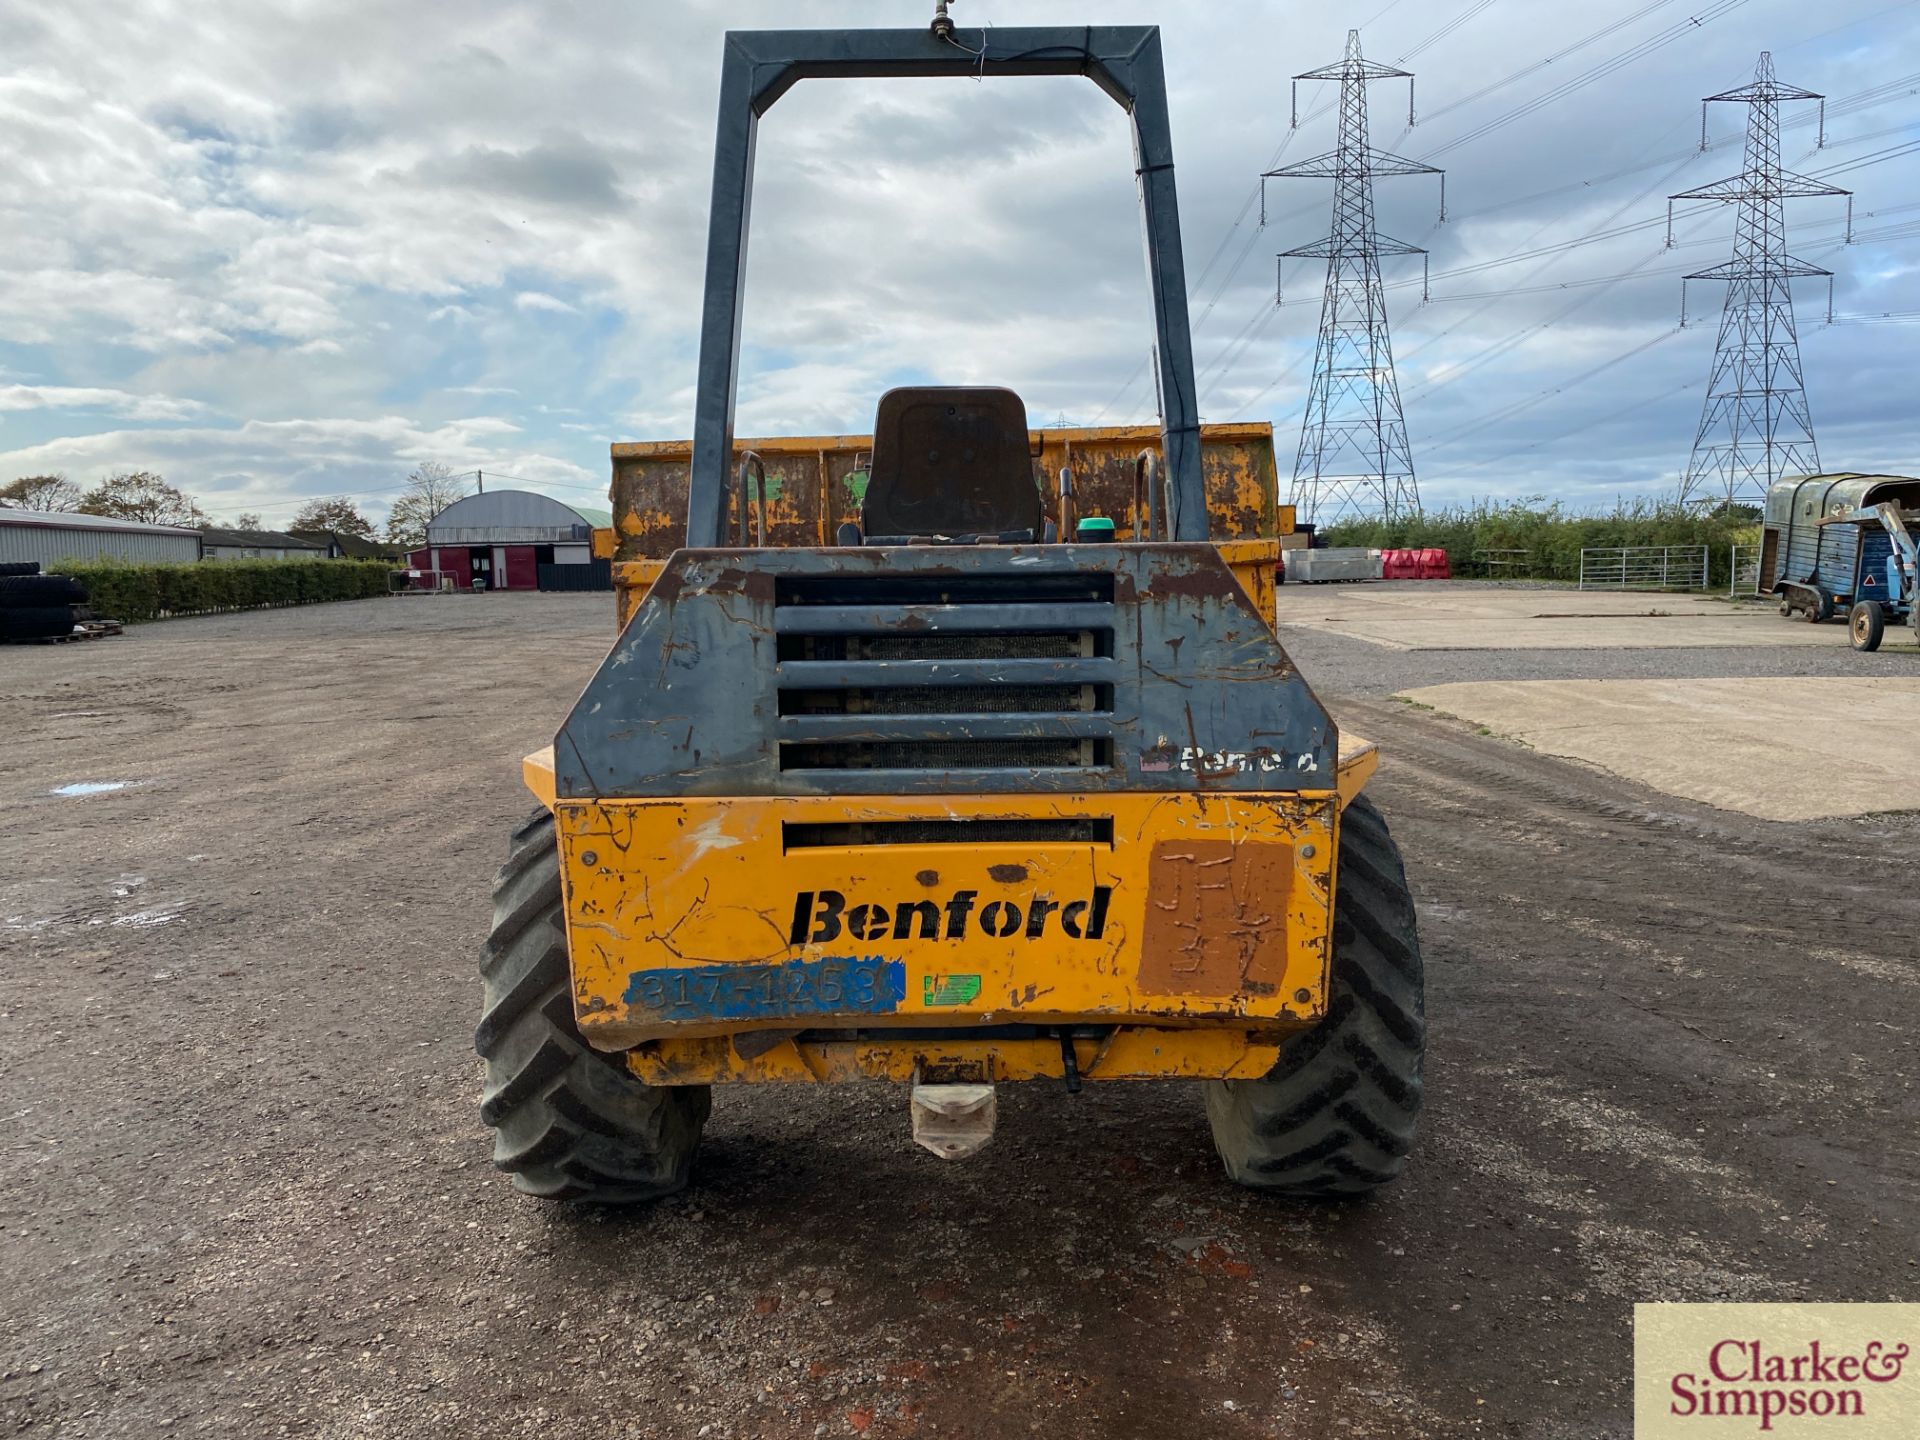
(1094, 529)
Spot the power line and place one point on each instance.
(1755, 425)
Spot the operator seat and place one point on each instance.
(951, 462)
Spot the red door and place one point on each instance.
(453, 562)
(522, 572)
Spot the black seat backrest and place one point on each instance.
(950, 460)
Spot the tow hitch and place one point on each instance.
(953, 1121)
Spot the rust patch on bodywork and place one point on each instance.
(1216, 918)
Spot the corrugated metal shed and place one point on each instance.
(510, 517)
(49, 538)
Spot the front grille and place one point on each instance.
(959, 830)
(967, 673)
(943, 699)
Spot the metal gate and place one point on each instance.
(1644, 567)
(1743, 570)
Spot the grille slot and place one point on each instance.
(945, 699)
(961, 673)
(962, 830)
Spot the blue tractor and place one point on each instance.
(1888, 597)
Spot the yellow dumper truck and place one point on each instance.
(956, 754)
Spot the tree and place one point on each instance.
(338, 513)
(41, 492)
(144, 496)
(430, 489)
(247, 520)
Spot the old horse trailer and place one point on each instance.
(1817, 565)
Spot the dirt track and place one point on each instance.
(244, 1189)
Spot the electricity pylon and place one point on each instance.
(1354, 460)
(1755, 427)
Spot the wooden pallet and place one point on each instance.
(82, 630)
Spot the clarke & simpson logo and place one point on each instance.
(1789, 1371)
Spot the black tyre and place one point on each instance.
(37, 591)
(570, 1122)
(1786, 608)
(1866, 625)
(1821, 610)
(39, 622)
(1336, 1115)
(19, 567)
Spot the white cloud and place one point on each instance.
(94, 398)
(537, 300)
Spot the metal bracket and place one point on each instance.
(760, 66)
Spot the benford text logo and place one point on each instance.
(822, 916)
(1786, 1371)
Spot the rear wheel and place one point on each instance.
(1866, 625)
(1336, 1115)
(570, 1122)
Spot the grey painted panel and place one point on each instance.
(1204, 697)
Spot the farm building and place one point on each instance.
(344, 545)
(503, 539)
(49, 537)
(221, 544)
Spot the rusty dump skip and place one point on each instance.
(815, 482)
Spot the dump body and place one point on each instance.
(1802, 549)
(815, 483)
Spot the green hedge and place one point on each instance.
(1551, 537)
(120, 591)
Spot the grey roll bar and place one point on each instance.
(759, 66)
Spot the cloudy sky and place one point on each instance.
(281, 250)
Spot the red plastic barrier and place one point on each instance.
(1399, 565)
(1432, 565)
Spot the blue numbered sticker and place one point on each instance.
(836, 985)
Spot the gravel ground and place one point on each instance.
(1338, 664)
(244, 1189)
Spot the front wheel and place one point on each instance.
(1866, 625)
(569, 1122)
(1335, 1116)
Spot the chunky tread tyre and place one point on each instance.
(19, 592)
(1336, 1115)
(570, 1123)
(41, 622)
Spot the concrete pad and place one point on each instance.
(1780, 749)
(1441, 616)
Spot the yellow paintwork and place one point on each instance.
(1253, 563)
(1127, 1053)
(631, 581)
(1217, 909)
